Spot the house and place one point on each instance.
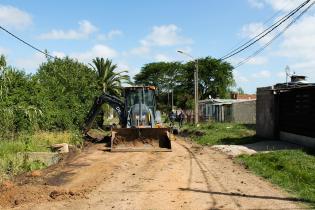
(243, 96)
(287, 112)
(228, 110)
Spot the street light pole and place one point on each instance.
(196, 85)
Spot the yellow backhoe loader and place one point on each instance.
(140, 123)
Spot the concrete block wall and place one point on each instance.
(244, 112)
(266, 120)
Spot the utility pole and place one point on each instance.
(196, 120)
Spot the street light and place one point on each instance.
(196, 84)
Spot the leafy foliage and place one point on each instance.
(57, 97)
(65, 91)
(108, 80)
(12, 159)
(215, 79)
(17, 110)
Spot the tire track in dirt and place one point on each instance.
(193, 157)
(268, 195)
(204, 169)
(187, 178)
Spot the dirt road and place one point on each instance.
(190, 177)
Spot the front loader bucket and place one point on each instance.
(140, 140)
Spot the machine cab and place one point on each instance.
(140, 106)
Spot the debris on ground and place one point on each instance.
(60, 148)
(234, 150)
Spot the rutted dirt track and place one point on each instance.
(190, 177)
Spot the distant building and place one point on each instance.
(287, 112)
(228, 110)
(243, 96)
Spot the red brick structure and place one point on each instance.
(243, 96)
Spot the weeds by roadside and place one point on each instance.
(11, 163)
(221, 133)
(293, 170)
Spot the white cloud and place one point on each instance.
(284, 5)
(140, 51)
(304, 65)
(163, 58)
(298, 45)
(110, 35)
(281, 75)
(262, 74)
(299, 40)
(85, 29)
(278, 5)
(124, 66)
(239, 78)
(30, 64)
(13, 17)
(160, 36)
(58, 54)
(258, 60)
(96, 51)
(256, 3)
(3, 51)
(251, 30)
(165, 35)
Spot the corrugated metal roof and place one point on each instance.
(225, 101)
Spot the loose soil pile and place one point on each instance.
(138, 142)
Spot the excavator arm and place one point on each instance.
(114, 102)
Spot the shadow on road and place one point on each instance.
(249, 196)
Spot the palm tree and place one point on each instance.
(109, 81)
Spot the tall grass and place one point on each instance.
(293, 170)
(221, 133)
(11, 162)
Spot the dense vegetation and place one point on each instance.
(13, 160)
(215, 80)
(57, 97)
(45, 108)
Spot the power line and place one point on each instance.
(275, 37)
(243, 40)
(264, 33)
(28, 44)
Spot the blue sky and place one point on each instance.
(136, 32)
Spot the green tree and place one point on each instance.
(65, 90)
(17, 111)
(3, 62)
(109, 81)
(215, 79)
(162, 75)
